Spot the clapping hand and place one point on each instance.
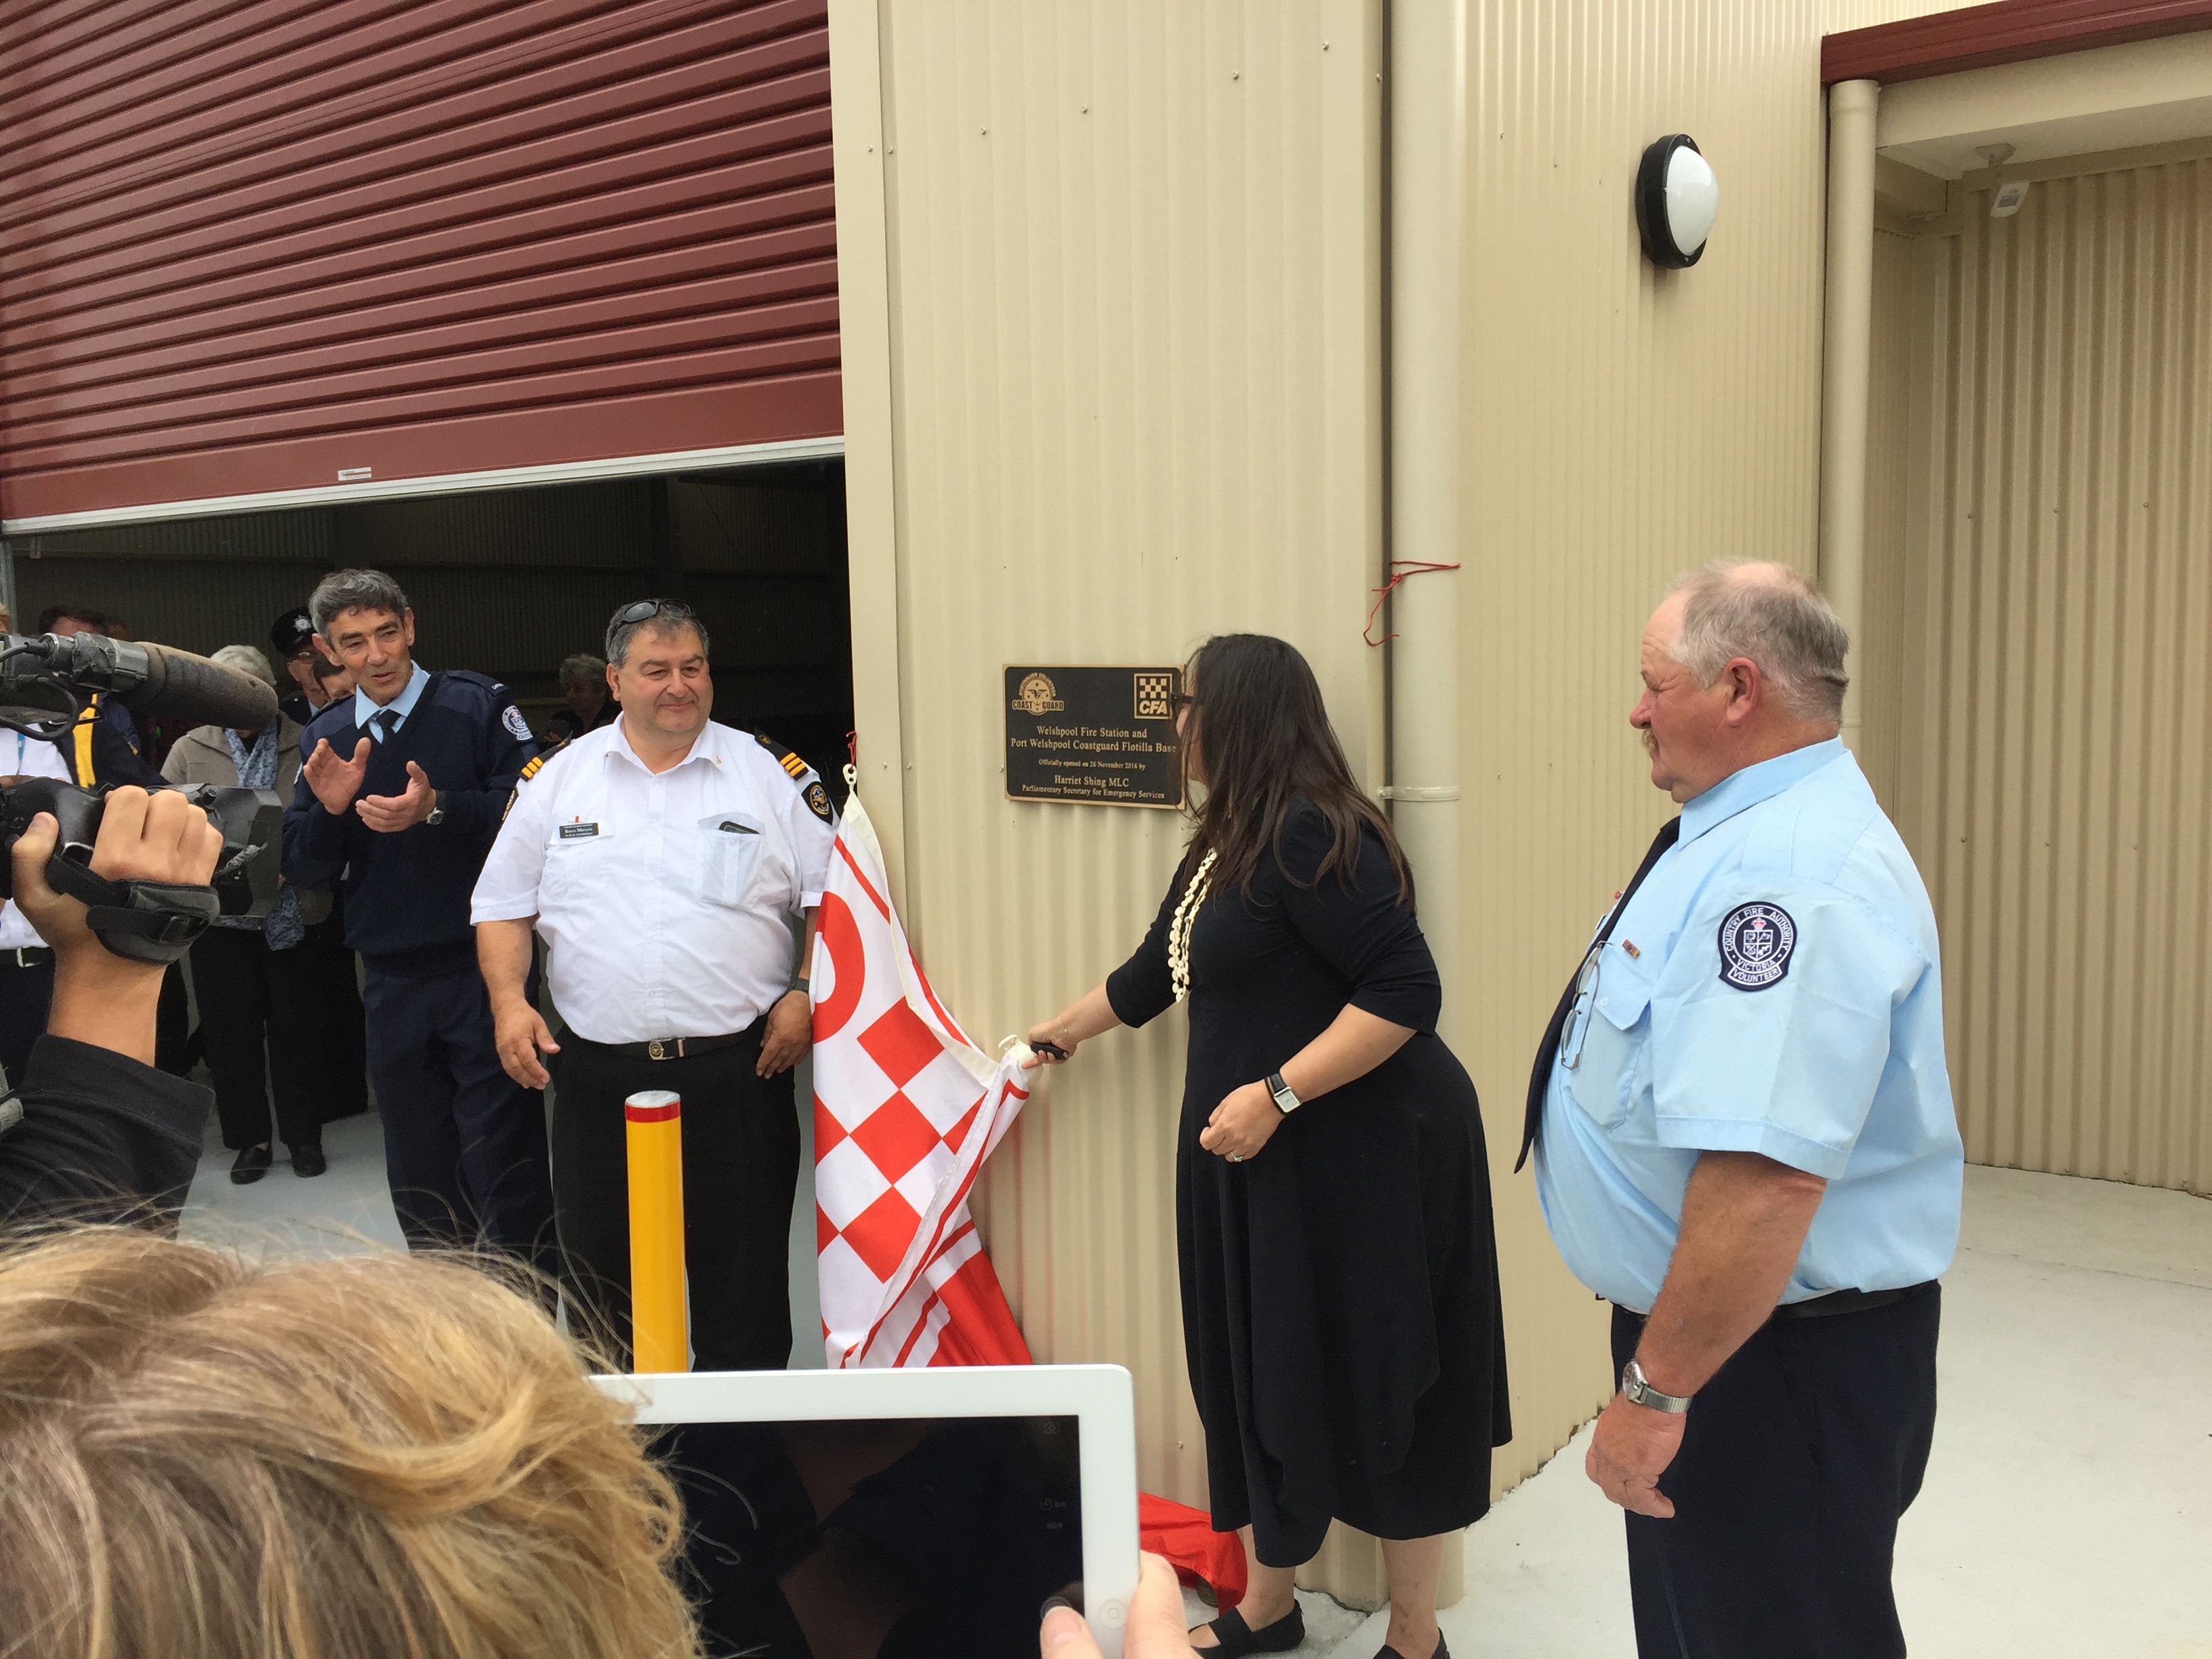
(389, 814)
(335, 782)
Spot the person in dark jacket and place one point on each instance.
(259, 1013)
(1340, 1300)
(102, 1135)
(402, 791)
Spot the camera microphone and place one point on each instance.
(197, 691)
(145, 678)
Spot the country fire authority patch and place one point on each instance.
(511, 718)
(1756, 943)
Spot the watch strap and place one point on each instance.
(1638, 1389)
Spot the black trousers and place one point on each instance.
(1797, 1460)
(464, 1143)
(256, 1020)
(342, 1043)
(27, 993)
(740, 1171)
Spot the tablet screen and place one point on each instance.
(882, 1536)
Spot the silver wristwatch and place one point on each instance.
(1636, 1387)
(437, 809)
(1287, 1099)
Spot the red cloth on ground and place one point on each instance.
(1198, 1553)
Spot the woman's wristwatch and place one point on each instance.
(1287, 1099)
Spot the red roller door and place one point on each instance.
(290, 245)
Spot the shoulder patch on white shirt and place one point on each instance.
(1756, 943)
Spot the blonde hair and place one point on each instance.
(202, 1457)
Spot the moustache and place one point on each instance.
(1650, 744)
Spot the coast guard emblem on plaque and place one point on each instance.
(1756, 940)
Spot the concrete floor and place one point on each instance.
(2068, 1508)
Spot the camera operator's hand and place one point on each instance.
(100, 998)
(335, 782)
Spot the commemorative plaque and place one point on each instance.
(1104, 736)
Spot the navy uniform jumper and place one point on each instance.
(464, 1143)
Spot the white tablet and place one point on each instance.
(899, 1514)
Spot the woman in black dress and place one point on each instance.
(1339, 1277)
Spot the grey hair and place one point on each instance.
(247, 660)
(353, 590)
(582, 668)
(1774, 617)
(668, 619)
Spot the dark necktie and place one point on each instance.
(387, 721)
(1539, 1080)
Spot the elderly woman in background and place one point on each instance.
(588, 693)
(259, 1016)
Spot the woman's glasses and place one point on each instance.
(1181, 701)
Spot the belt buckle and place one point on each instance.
(655, 1051)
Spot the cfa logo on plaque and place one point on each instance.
(1155, 695)
(1038, 696)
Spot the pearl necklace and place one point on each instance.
(1179, 926)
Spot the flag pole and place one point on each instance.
(659, 1341)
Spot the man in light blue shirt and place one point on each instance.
(1744, 1141)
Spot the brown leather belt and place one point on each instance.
(665, 1048)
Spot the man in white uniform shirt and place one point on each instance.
(664, 858)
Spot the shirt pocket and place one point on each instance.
(1613, 1067)
(731, 857)
(577, 859)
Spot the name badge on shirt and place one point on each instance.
(578, 831)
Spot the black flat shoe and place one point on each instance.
(308, 1161)
(252, 1165)
(1386, 1651)
(1235, 1637)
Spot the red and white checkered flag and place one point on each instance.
(906, 1110)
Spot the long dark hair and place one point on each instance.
(1264, 737)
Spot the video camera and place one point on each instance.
(45, 683)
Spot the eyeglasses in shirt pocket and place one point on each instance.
(732, 857)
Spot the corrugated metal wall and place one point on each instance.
(1123, 392)
(2054, 765)
(244, 247)
(1621, 424)
(1135, 323)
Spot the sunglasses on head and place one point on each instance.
(643, 611)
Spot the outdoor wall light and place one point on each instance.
(1676, 199)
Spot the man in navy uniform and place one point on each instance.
(401, 792)
(1746, 1143)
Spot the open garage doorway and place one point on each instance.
(509, 582)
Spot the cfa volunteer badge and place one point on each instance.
(1756, 940)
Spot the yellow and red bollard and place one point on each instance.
(660, 1340)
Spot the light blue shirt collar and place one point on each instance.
(365, 710)
(1741, 791)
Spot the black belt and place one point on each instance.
(665, 1048)
(27, 956)
(1837, 1302)
(1847, 1301)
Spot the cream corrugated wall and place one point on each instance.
(1134, 320)
(1622, 424)
(1110, 275)
(2053, 759)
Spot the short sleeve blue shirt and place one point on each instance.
(1773, 987)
